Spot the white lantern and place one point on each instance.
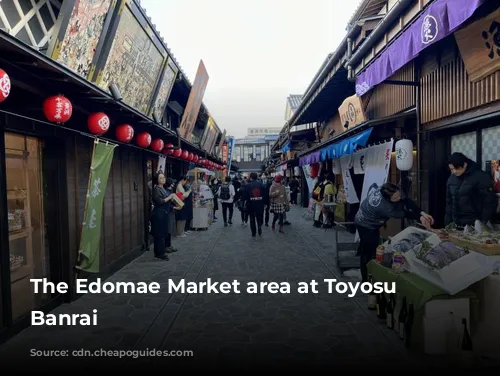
(296, 171)
(404, 155)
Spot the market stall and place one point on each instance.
(202, 199)
(441, 277)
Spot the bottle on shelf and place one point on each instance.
(372, 297)
(466, 340)
(381, 306)
(408, 325)
(379, 256)
(389, 313)
(402, 319)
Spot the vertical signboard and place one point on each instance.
(194, 102)
(224, 149)
(221, 143)
(230, 154)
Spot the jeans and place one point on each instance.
(279, 217)
(266, 210)
(226, 206)
(160, 244)
(293, 197)
(187, 227)
(368, 242)
(256, 216)
(244, 216)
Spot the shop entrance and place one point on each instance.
(30, 225)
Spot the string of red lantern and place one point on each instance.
(57, 109)
(98, 123)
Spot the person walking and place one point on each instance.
(163, 217)
(279, 202)
(226, 194)
(470, 194)
(254, 197)
(266, 183)
(241, 202)
(183, 214)
(381, 204)
(214, 186)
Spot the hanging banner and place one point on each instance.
(359, 162)
(162, 162)
(194, 102)
(88, 254)
(224, 158)
(336, 169)
(230, 154)
(378, 163)
(350, 193)
(221, 144)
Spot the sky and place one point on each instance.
(256, 52)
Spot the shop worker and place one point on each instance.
(469, 193)
(381, 204)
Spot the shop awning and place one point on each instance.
(345, 147)
(439, 20)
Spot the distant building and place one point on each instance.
(251, 152)
(262, 132)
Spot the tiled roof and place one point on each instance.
(294, 101)
(366, 8)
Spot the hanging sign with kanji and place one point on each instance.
(90, 239)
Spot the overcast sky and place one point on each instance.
(256, 52)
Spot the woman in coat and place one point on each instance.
(163, 217)
(183, 215)
(279, 202)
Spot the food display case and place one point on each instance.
(202, 198)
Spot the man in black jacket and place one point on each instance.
(266, 184)
(469, 193)
(254, 195)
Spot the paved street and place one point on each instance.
(280, 330)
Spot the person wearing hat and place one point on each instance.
(163, 217)
(279, 202)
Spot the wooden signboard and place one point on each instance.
(351, 111)
(479, 45)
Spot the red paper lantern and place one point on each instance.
(143, 139)
(196, 159)
(157, 145)
(124, 133)
(185, 154)
(4, 85)
(57, 109)
(98, 123)
(168, 149)
(177, 153)
(190, 156)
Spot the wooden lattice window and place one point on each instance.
(31, 21)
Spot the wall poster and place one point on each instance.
(78, 47)
(133, 64)
(164, 90)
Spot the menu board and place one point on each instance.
(209, 138)
(133, 63)
(164, 91)
(78, 47)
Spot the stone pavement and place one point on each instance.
(239, 330)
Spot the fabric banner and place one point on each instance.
(309, 179)
(162, 161)
(336, 169)
(350, 193)
(88, 254)
(378, 162)
(224, 159)
(359, 162)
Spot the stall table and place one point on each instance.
(434, 309)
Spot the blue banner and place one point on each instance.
(230, 155)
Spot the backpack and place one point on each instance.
(319, 192)
(225, 193)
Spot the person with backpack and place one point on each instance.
(226, 194)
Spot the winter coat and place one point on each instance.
(162, 216)
(470, 197)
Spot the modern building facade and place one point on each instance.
(251, 152)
